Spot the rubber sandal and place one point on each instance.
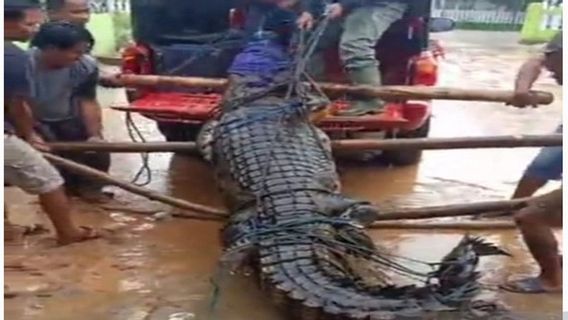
(526, 286)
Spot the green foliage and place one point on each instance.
(122, 29)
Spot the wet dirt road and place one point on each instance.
(162, 270)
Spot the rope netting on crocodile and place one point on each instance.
(291, 232)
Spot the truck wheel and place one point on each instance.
(407, 157)
(179, 132)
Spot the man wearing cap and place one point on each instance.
(544, 212)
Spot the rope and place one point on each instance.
(136, 136)
(201, 54)
(301, 228)
(134, 132)
(216, 282)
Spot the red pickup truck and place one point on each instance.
(198, 38)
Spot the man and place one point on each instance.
(64, 101)
(74, 11)
(548, 163)
(277, 16)
(269, 27)
(78, 12)
(364, 23)
(24, 166)
(545, 212)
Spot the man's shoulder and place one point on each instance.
(12, 48)
(15, 59)
(13, 52)
(15, 70)
(86, 63)
(84, 67)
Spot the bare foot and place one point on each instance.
(82, 234)
(531, 286)
(97, 197)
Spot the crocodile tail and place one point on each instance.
(456, 275)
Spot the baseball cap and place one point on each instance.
(555, 44)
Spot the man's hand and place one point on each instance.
(110, 81)
(334, 11)
(37, 142)
(522, 99)
(96, 139)
(305, 21)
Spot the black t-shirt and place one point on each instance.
(16, 82)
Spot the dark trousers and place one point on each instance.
(74, 130)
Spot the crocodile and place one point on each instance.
(305, 240)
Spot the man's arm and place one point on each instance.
(17, 96)
(21, 116)
(526, 77)
(529, 73)
(90, 109)
(342, 7)
(306, 10)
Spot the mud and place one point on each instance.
(162, 269)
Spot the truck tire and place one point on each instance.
(406, 157)
(179, 132)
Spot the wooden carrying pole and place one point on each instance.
(449, 143)
(455, 210)
(209, 213)
(338, 145)
(96, 174)
(334, 90)
(459, 225)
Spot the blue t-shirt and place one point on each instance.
(56, 93)
(16, 81)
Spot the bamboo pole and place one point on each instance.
(451, 225)
(455, 210)
(520, 141)
(333, 89)
(215, 214)
(179, 203)
(460, 225)
(123, 147)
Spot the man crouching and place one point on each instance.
(64, 81)
(24, 166)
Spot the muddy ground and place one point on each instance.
(157, 270)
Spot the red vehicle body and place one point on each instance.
(410, 61)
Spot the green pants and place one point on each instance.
(357, 34)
